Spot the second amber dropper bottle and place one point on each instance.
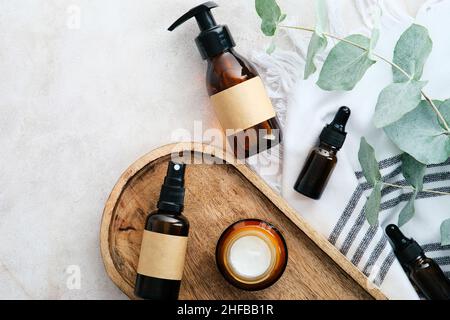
(237, 93)
(423, 272)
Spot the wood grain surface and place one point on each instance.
(216, 196)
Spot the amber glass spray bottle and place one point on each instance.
(164, 242)
(424, 272)
(237, 93)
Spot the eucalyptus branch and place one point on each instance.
(400, 69)
(345, 67)
(414, 189)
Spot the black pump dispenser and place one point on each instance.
(334, 134)
(172, 191)
(405, 249)
(213, 39)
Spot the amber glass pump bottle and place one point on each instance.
(164, 242)
(424, 272)
(237, 93)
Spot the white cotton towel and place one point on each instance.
(339, 214)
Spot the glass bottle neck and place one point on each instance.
(167, 210)
(230, 50)
(420, 260)
(331, 149)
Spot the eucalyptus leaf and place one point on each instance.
(372, 207)
(413, 171)
(375, 36)
(322, 23)
(270, 13)
(368, 162)
(346, 64)
(408, 211)
(445, 233)
(444, 109)
(411, 53)
(271, 47)
(317, 44)
(396, 100)
(420, 134)
(268, 28)
(373, 42)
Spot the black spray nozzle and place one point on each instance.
(334, 133)
(175, 174)
(172, 191)
(405, 249)
(213, 39)
(202, 14)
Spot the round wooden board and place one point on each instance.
(216, 196)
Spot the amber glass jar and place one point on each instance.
(251, 254)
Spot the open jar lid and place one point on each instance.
(251, 254)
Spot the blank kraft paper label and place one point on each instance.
(162, 256)
(243, 106)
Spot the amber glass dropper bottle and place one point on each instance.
(424, 272)
(321, 161)
(237, 93)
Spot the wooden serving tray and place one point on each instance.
(216, 196)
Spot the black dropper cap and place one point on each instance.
(213, 39)
(334, 133)
(406, 250)
(172, 191)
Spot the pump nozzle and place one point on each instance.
(202, 14)
(213, 39)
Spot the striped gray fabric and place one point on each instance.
(367, 247)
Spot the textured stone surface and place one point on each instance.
(78, 104)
